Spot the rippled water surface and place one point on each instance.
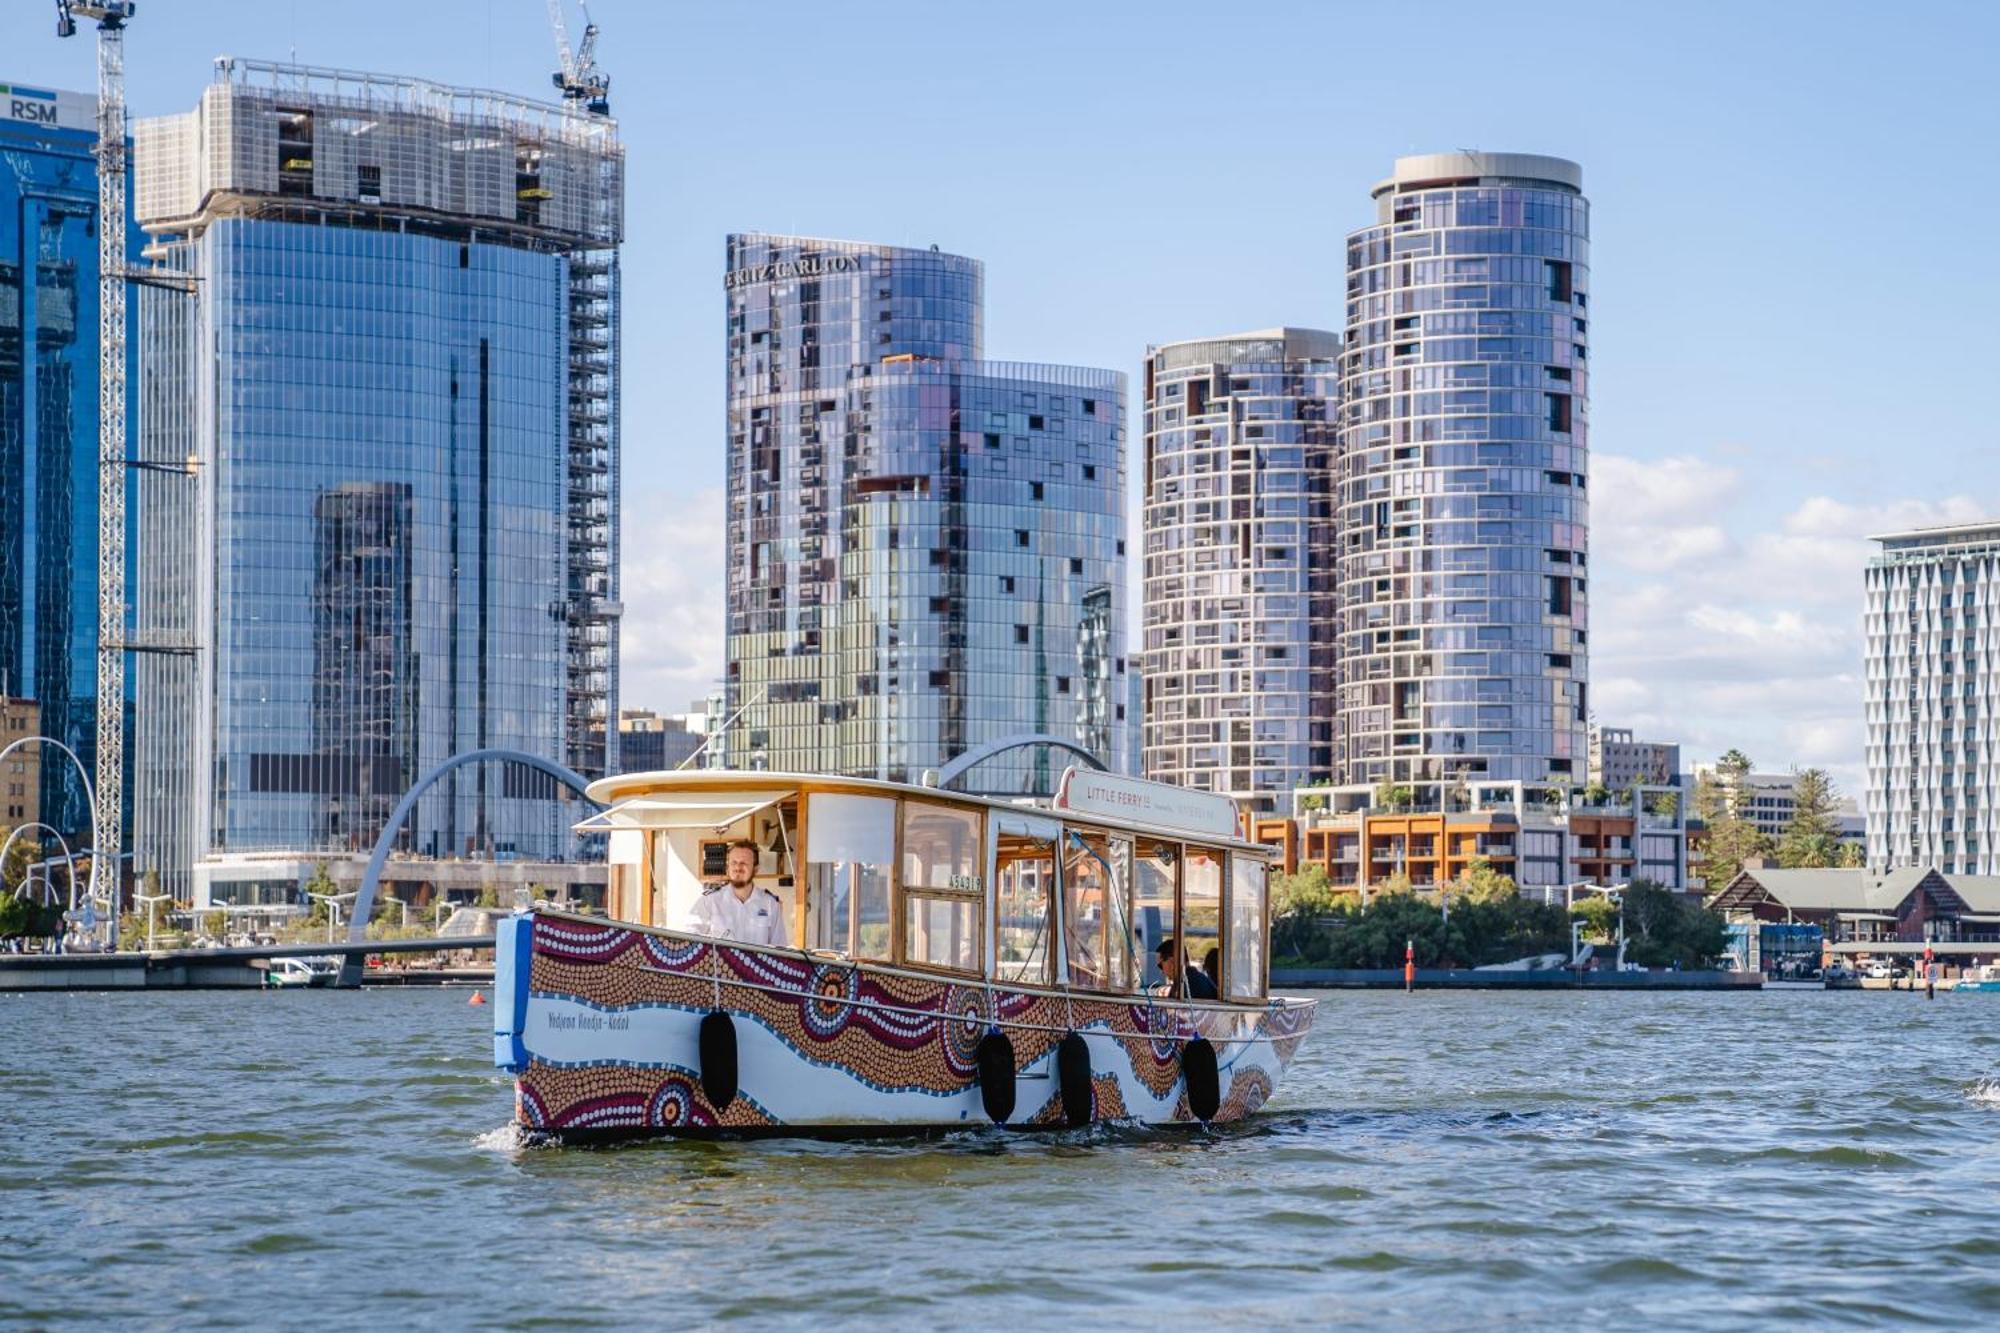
(341, 1158)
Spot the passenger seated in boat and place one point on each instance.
(1173, 965)
(1211, 967)
(739, 910)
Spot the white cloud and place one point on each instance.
(1721, 618)
(672, 637)
(1672, 490)
(1819, 550)
(1660, 515)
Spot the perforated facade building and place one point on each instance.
(1933, 700)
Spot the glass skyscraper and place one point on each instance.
(1464, 465)
(1239, 619)
(49, 426)
(398, 375)
(926, 549)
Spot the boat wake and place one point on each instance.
(1986, 1092)
(508, 1138)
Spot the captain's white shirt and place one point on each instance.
(758, 919)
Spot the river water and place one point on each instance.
(1555, 1158)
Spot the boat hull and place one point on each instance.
(601, 1025)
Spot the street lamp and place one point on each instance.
(151, 921)
(333, 902)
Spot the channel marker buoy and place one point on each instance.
(478, 997)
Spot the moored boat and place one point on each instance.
(1983, 979)
(951, 961)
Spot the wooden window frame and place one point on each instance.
(899, 894)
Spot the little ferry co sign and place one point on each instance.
(811, 267)
(1114, 796)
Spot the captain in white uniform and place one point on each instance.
(739, 910)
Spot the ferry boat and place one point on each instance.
(953, 962)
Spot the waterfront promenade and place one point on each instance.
(211, 969)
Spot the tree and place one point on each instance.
(1494, 930)
(1666, 804)
(1599, 915)
(1733, 768)
(1666, 929)
(1731, 839)
(1299, 904)
(1812, 840)
(1392, 797)
(1597, 794)
(1481, 883)
(1853, 856)
(320, 882)
(25, 851)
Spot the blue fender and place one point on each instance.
(513, 956)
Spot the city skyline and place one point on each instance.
(1722, 444)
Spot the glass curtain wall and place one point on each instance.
(49, 433)
(1464, 521)
(388, 536)
(925, 549)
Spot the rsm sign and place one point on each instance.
(816, 266)
(22, 105)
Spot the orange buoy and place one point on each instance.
(478, 997)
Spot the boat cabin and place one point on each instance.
(1079, 893)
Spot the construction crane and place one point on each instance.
(107, 820)
(581, 82)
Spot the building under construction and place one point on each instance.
(399, 377)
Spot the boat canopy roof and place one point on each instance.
(707, 798)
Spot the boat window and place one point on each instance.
(1024, 882)
(850, 848)
(1245, 970)
(941, 848)
(1201, 912)
(1097, 911)
(1154, 867)
(942, 906)
(941, 931)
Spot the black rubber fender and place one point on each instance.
(994, 1058)
(1073, 1079)
(1204, 1079)
(718, 1059)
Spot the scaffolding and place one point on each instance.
(279, 140)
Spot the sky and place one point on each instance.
(1793, 278)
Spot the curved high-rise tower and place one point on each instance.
(1464, 524)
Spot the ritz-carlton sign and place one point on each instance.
(811, 267)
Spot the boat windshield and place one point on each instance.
(1097, 911)
(1024, 871)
